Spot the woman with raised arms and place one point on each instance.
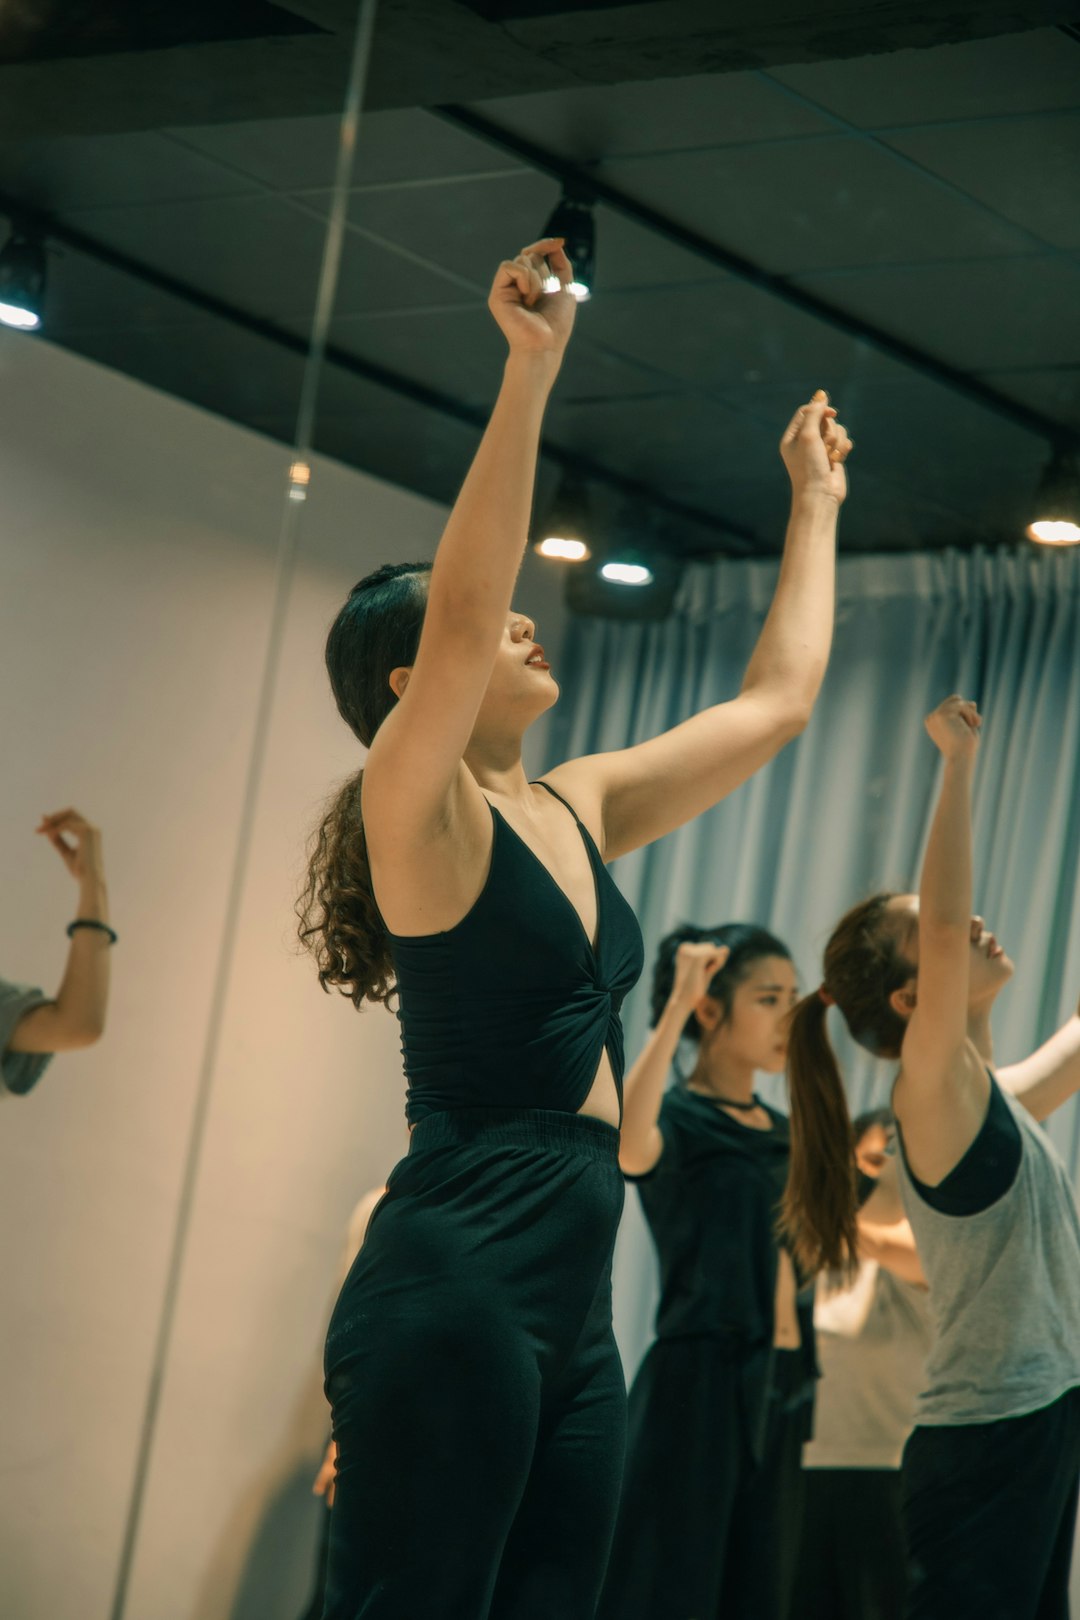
(477, 1395)
(991, 1472)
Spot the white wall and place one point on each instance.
(137, 539)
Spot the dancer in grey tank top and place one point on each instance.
(991, 1474)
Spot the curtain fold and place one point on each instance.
(846, 808)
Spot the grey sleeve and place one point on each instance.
(20, 1071)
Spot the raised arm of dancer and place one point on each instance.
(641, 793)
(77, 1016)
(942, 1089)
(415, 761)
(1051, 1075)
(640, 1142)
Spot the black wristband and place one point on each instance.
(92, 922)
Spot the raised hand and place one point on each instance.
(76, 842)
(814, 448)
(696, 966)
(954, 727)
(532, 320)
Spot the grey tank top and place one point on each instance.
(872, 1341)
(1004, 1290)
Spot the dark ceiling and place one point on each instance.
(884, 201)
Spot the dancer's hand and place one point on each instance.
(696, 966)
(814, 448)
(534, 321)
(326, 1478)
(954, 728)
(77, 843)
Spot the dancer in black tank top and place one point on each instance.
(477, 1396)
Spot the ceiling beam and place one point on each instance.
(738, 540)
(584, 179)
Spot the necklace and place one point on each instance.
(729, 1102)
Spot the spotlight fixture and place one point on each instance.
(22, 281)
(1056, 520)
(626, 581)
(573, 219)
(564, 532)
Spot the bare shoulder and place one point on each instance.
(941, 1114)
(581, 783)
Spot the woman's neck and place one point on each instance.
(499, 771)
(719, 1075)
(979, 1033)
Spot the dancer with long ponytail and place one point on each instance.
(477, 1395)
(711, 1503)
(991, 1472)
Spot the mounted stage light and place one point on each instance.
(22, 281)
(565, 530)
(573, 219)
(626, 579)
(1057, 503)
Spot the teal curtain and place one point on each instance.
(846, 808)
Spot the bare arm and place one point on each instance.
(894, 1248)
(77, 1016)
(942, 1091)
(648, 790)
(640, 1142)
(415, 758)
(1051, 1075)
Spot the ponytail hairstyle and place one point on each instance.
(747, 944)
(376, 632)
(864, 964)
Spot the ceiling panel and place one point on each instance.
(721, 337)
(91, 171)
(294, 154)
(1014, 73)
(601, 122)
(816, 204)
(1026, 169)
(1054, 390)
(1006, 312)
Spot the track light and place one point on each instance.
(573, 219)
(1056, 520)
(565, 530)
(631, 576)
(22, 281)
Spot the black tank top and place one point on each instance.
(513, 1007)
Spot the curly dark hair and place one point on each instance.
(376, 632)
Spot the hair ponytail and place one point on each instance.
(865, 961)
(818, 1211)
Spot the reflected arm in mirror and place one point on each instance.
(649, 790)
(76, 1018)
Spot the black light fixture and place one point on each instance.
(1056, 508)
(22, 281)
(573, 219)
(564, 533)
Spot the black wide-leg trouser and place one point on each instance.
(477, 1392)
(990, 1516)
